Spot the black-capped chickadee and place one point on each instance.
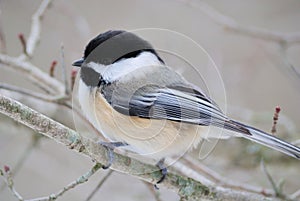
(128, 93)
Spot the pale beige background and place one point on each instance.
(255, 79)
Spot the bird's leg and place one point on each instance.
(163, 171)
(110, 146)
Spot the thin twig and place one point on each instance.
(277, 188)
(283, 54)
(6, 173)
(225, 182)
(270, 179)
(35, 31)
(153, 191)
(64, 71)
(82, 179)
(295, 195)
(35, 139)
(102, 181)
(34, 74)
(25, 154)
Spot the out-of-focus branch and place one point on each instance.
(189, 171)
(102, 181)
(283, 39)
(284, 57)
(82, 179)
(278, 189)
(225, 182)
(34, 74)
(186, 188)
(153, 191)
(29, 93)
(64, 71)
(37, 76)
(35, 31)
(35, 139)
(2, 36)
(296, 142)
(231, 24)
(295, 195)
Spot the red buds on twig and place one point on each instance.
(6, 168)
(52, 68)
(23, 43)
(275, 119)
(73, 77)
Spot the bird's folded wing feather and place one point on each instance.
(176, 103)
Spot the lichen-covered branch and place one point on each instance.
(187, 188)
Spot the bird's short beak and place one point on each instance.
(78, 63)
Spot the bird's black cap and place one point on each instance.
(112, 46)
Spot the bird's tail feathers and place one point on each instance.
(263, 138)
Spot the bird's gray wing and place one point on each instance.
(176, 103)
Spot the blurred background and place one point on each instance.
(256, 73)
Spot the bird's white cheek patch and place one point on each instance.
(99, 68)
(129, 66)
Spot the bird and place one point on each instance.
(135, 100)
